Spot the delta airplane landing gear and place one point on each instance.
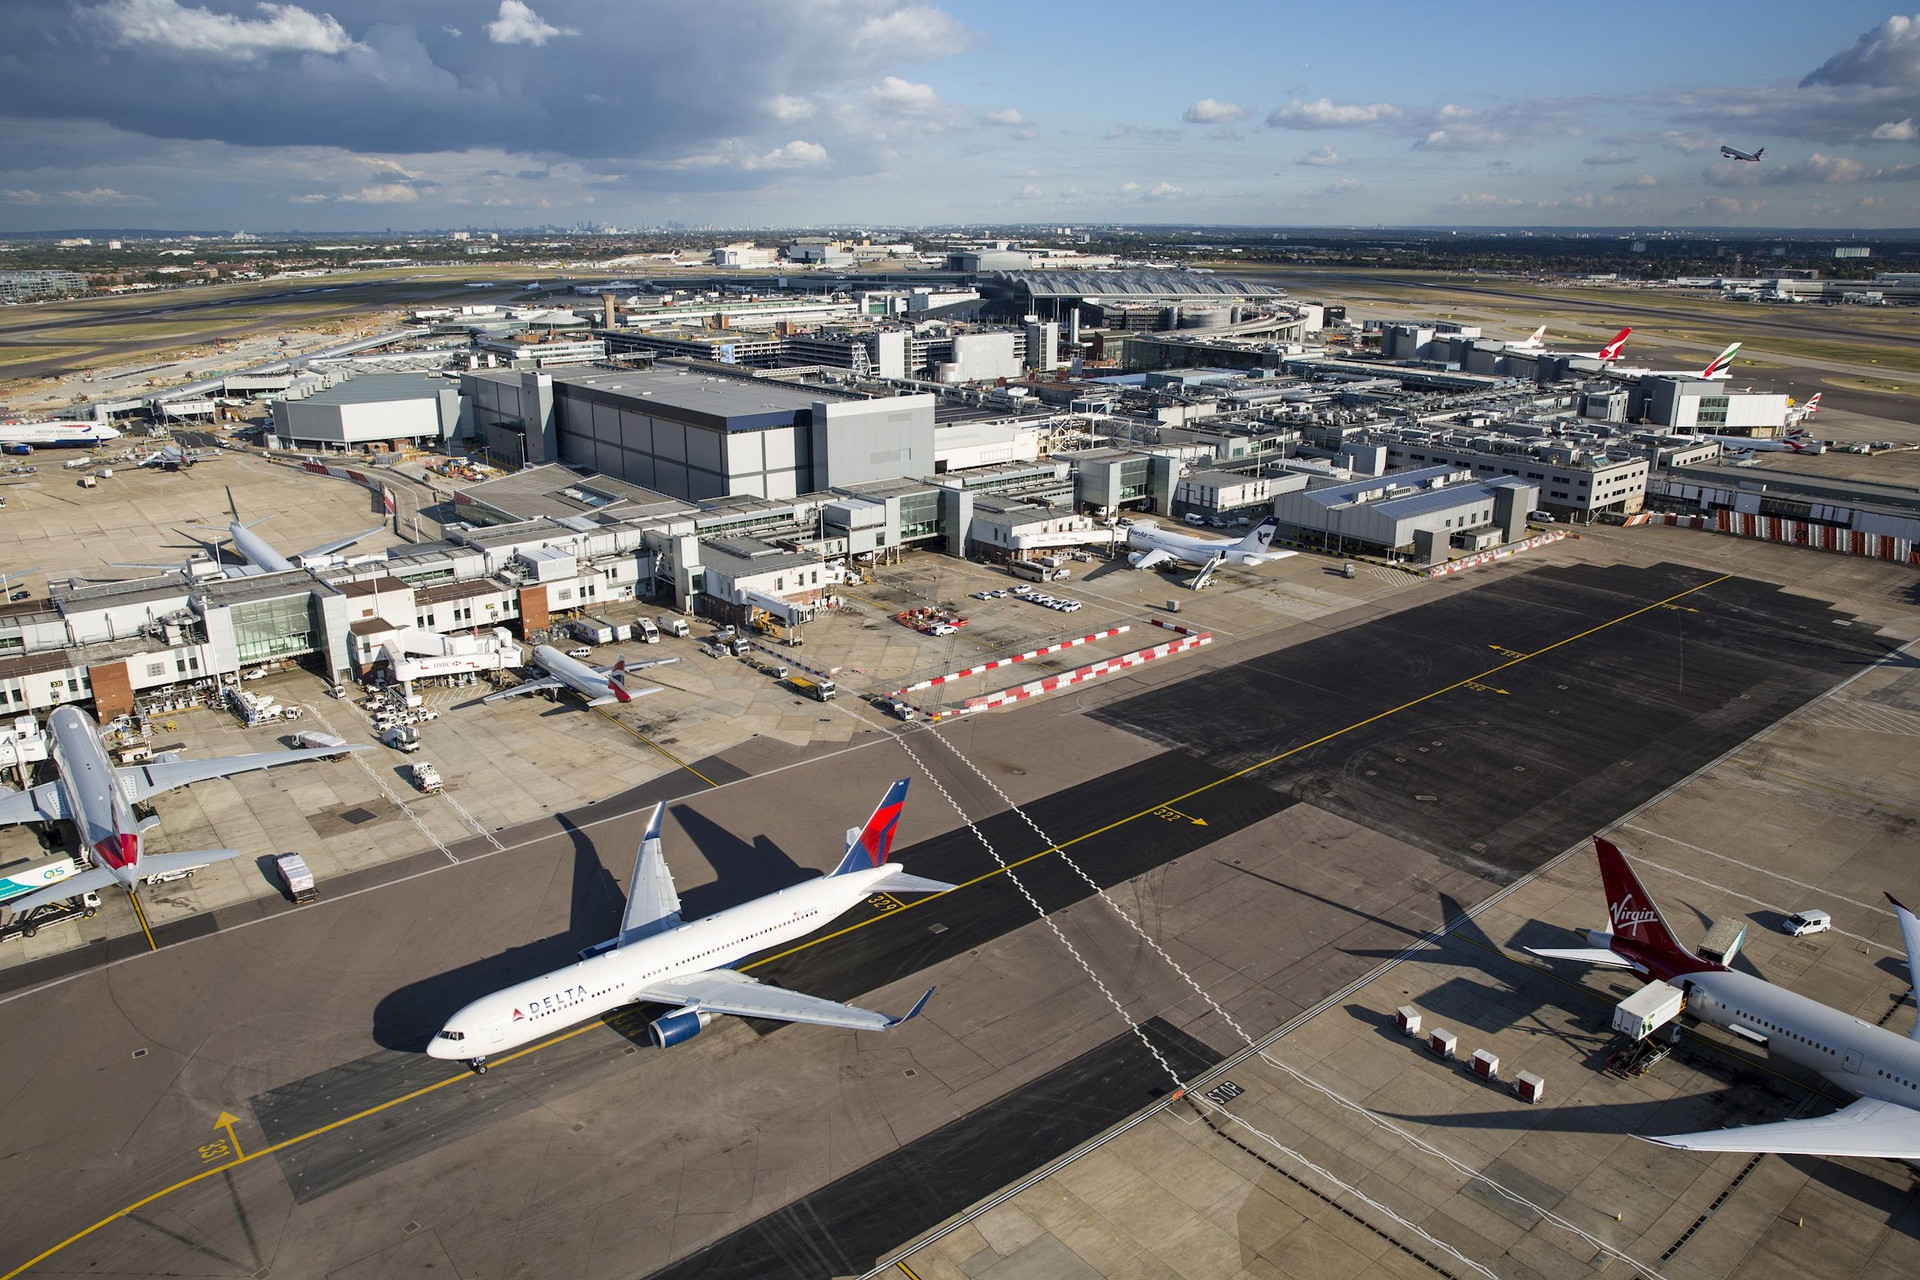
(479, 1065)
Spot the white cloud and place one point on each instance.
(916, 33)
(1322, 158)
(904, 97)
(1214, 111)
(519, 24)
(19, 195)
(788, 109)
(167, 24)
(1342, 187)
(1028, 192)
(1639, 180)
(1727, 207)
(1007, 119)
(1610, 157)
(1328, 114)
(794, 155)
(1896, 131)
(1166, 191)
(381, 193)
(1887, 57)
(311, 197)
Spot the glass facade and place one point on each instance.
(919, 515)
(282, 628)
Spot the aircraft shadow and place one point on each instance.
(742, 871)
(408, 1018)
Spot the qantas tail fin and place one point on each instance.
(1631, 912)
(1613, 348)
(869, 846)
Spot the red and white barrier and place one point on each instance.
(1094, 671)
(1799, 533)
(1498, 553)
(1007, 662)
(1173, 626)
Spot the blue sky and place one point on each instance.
(348, 114)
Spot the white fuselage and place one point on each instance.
(572, 672)
(99, 809)
(75, 434)
(541, 1006)
(1195, 551)
(1865, 1060)
(258, 551)
(1746, 444)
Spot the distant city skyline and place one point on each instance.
(170, 114)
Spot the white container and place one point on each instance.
(1648, 1009)
(1442, 1042)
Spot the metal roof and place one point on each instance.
(707, 395)
(1133, 284)
(380, 388)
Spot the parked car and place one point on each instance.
(583, 651)
(943, 629)
(1801, 923)
(21, 594)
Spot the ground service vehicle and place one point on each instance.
(646, 631)
(1801, 923)
(427, 778)
(83, 907)
(297, 876)
(816, 687)
(675, 626)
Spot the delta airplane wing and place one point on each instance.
(98, 798)
(1154, 546)
(659, 958)
(1880, 1068)
(598, 685)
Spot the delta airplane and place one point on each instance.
(658, 958)
(1735, 153)
(62, 434)
(1881, 1069)
(598, 685)
(99, 798)
(1154, 546)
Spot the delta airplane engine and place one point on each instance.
(678, 1027)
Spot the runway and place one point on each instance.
(1309, 807)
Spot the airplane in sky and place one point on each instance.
(1154, 546)
(598, 685)
(98, 798)
(1735, 153)
(1880, 1068)
(659, 958)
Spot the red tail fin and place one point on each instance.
(1612, 350)
(1631, 912)
(617, 681)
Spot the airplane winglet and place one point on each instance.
(653, 823)
(914, 1012)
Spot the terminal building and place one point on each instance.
(391, 410)
(1416, 515)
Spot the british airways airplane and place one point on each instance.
(658, 958)
(598, 685)
(98, 799)
(1879, 1068)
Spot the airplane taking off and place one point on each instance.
(660, 959)
(1735, 153)
(1155, 546)
(598, 685)
(99, 798)
(1879, 1068)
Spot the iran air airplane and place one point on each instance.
(98, 799)
(658, 958)
(1879, 1068)
(1154, 546)
(598, 685)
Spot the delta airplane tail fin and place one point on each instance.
(869, 846)
(1631, 911)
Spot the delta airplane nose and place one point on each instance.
(449, 1043)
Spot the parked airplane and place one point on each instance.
(171, 457)
(1735, 153)
(1156, 546)
(1611, 351)
(598, 685)
(98, 799)
(1532, 342)
(1878, 1067)
(261, 556)
(65, 433)
(1805, 411)
(660, 959)
(1717, 369)
(1797, 440)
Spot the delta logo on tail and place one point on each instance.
(871, 846)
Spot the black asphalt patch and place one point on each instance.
(845, 1226)
(1499, 776)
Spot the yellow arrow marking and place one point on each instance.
(1168, 813)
